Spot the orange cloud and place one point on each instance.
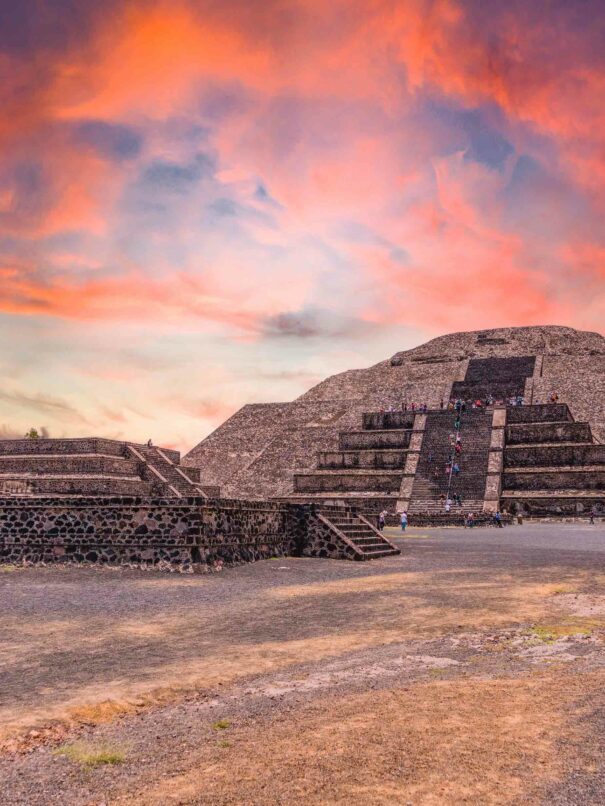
(127, 298)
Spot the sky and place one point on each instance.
(206, 204)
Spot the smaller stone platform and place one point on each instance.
(93, 466)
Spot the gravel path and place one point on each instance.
(254, 685)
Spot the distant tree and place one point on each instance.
(32, 434)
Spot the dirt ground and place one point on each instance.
(470, 669)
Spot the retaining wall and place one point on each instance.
(170, 534)
(548, 432)
(186, 535)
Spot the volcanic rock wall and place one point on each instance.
(169, 534)
(165, 534)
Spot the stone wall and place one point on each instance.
(93, 484)
(555, 507)
(385, 420)
(558, 455)
(550, 412)
(363, 440)
(69, 464)
(354, 482)
(548, 432)
(373, 460)
(168, 534)
(185, 535)
(555, 479)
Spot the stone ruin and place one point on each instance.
(179, 534)
(94, 466)
(308, 478)
(339, 444)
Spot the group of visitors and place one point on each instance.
(478, 403)
(382, 519)
(452, 467)
(422, 408)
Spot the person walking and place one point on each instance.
(498, 519)
(404, 520)
(382, 519)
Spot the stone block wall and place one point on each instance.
(185, 535)
(548, 432)
(52, 486)
(558, 506)
(555, 479)
(168, 534)
(554, 455)
(386, 420)
(362, 482)
(543, 413)
(69, 464)
(373, 460)
(363, 440)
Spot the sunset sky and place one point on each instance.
(210, 203)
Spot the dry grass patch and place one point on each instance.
(435, 743)
(89, 755)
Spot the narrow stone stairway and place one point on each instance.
(162, 468)
(368, 540)
(431, 481)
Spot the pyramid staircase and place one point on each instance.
(352, 528)
(432, 483)
(159, 465)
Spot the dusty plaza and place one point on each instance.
(468, 669)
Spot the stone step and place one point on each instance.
(575, 479)
(566, 493)
(361, 540)
(373, 546)
(385, 552)
(68, 465)
(557, 469)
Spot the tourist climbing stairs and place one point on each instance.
(433, 483)
(368, 541)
